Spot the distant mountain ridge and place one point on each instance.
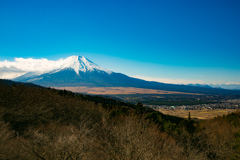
(226, 86)
(221, 86)
(200, 85)
(79, 71)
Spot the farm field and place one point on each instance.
(199, 114)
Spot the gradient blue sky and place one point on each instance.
(179, 40)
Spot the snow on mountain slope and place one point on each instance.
(80, 63)
(76, 63)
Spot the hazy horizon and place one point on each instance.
(20, 66)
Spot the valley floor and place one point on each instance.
(120, 90)
(199, 114)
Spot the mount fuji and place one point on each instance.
(76, 71)
(73, 71)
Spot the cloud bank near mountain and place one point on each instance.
(20, 66)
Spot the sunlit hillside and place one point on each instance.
(48, 124)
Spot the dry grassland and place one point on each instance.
(200, 114)
(119, 90)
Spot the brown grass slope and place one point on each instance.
(47, 124)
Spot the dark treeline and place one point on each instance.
(44, 123)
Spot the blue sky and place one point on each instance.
(175, 41)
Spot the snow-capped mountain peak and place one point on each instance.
(75, 63)
(80, 63)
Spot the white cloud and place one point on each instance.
(9, 75)
(20, 66)
(233, 83)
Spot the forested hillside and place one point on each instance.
(48, 124)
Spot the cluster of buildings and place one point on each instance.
(228, 104)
